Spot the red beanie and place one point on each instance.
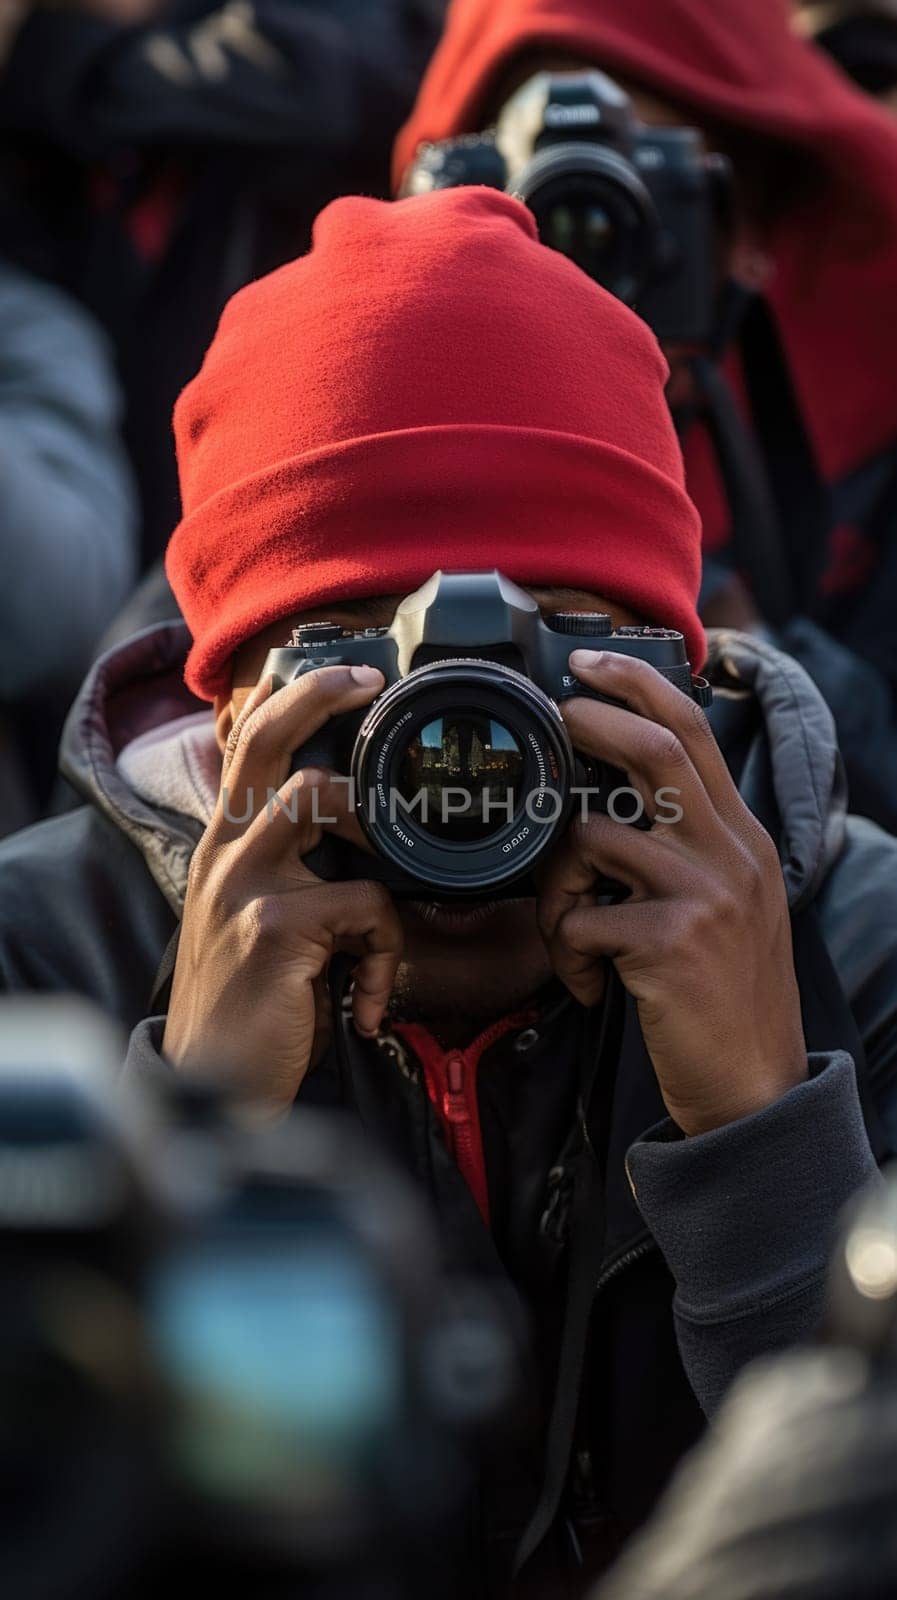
(428, 387)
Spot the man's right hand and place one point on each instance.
(259, 927)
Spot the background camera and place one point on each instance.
(643, 210)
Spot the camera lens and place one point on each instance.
(585, 233)
(590, 235)
(462, 774)
(466, 769)
(591, 205)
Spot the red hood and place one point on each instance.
(737, 62)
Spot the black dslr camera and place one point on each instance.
(462, 771)
(640, 209)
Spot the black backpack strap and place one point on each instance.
(587, 1237)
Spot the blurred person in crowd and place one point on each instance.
(861, 35)
(155, 156)
(799, 501)
(68, 522)
(794, 1494)
(792, 1497)
(431, 386)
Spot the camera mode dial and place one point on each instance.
(594, 623)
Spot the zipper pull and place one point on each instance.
(454, 1101)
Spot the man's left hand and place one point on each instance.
(703, 943)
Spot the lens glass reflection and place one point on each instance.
(595, 226)
(584, 233)
(459, 775)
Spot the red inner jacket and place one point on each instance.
(834, 293)
(451, 1080)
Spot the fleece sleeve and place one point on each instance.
(746, 1218)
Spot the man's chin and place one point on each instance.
(467, 962)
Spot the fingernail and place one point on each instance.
(366, 676)
(586, 658)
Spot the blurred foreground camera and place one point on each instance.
(639, 209)
(219, 1344)
(462, 771)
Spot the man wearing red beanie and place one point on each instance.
(799, 496)
(430, 388)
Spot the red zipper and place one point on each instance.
(451, 1080)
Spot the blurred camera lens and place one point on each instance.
(585, 232)
(462, 774)
(591, 205)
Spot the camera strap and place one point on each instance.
(799, 493)
(779, 504)
(160, 994)
(756, 537)
(598, 1063)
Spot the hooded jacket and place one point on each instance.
(741, 67)
(715, 1248)
(817, 363)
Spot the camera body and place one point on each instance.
(474, 678)
(637, 208)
